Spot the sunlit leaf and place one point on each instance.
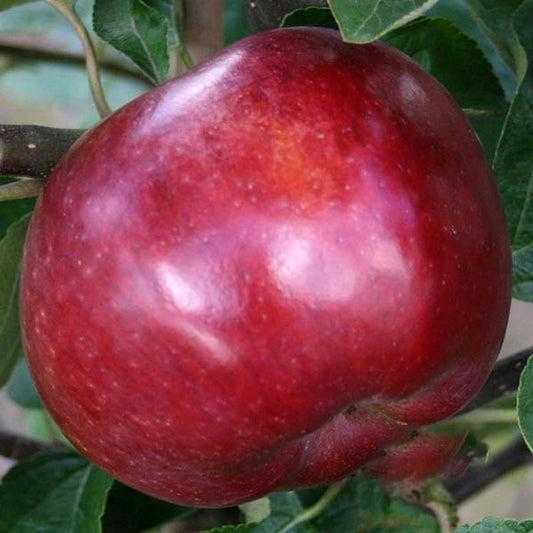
(513, 164)
(362, 21)
(138, 31)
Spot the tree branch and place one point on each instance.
(204, 28)
(476, 479)
(19, 448)
(31, 50)
(33, 151)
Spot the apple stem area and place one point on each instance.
(317, 508)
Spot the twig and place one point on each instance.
(310, 513)
(24, 188)
(32, 50)
(476, 479)
(470, 112)
(19, 448)
(90, 55)
(33, 150)
(482, 416)
(441, 514)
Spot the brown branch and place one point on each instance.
(204, 28)
(19, 448)
(476, 479)
(33, 151)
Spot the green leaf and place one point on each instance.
(496, 525)
(167, 8)
(11, 247)
(488, 128)
(362, 21)
(6, 4)
(235, 21)
(364, 507)
(138, 31)
(310, 16)
(256, 510)
(130, 511)
(463, 69)
(12, 210)
(240, 528)
(21, 388)
(513, 164)
(174, 14)
(461, 14)
(473, 448)
(53, 492)
(284, 506)
(525, 403)
(436, 493)
(494, 18)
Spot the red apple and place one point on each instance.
(268, 273)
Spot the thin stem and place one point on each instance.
(181, 58)
(24, 188)
(483, 113)
(310, 513)
(92, 65)
(483, 416)
(185, 57)
(30, 49)
(442, 515)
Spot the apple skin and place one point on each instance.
(268, 273)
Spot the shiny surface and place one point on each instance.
(220, 272)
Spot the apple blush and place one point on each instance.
(268, 274)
